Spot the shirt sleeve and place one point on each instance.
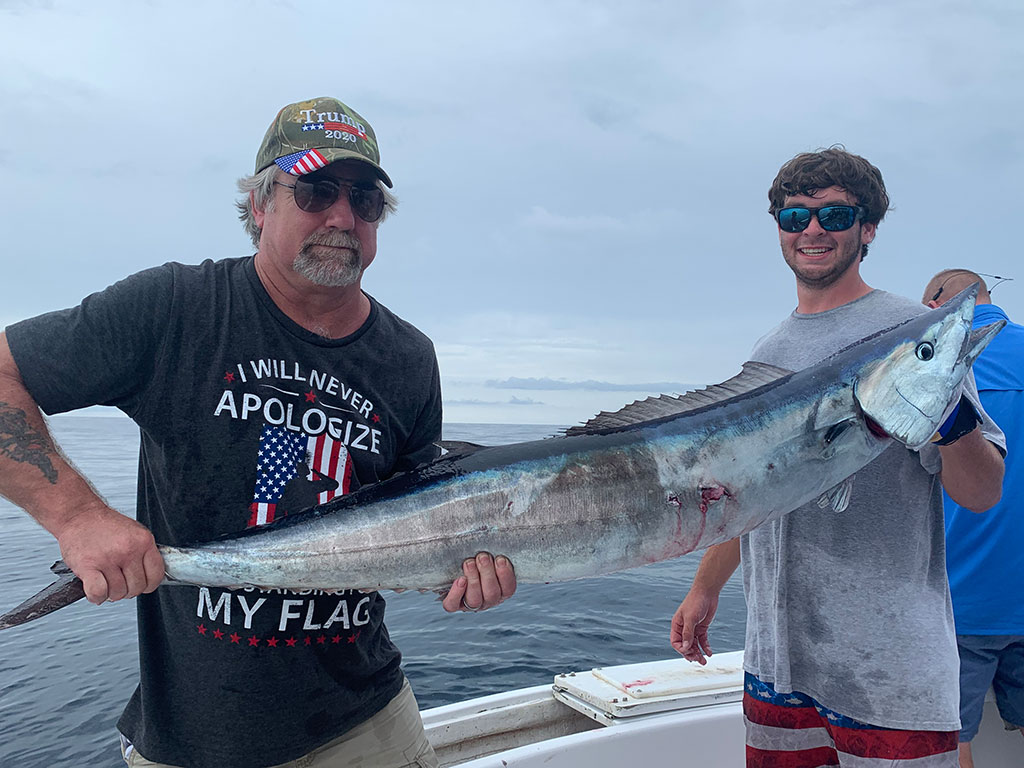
(100, 352)
(992, 431)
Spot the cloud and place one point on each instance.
(542, 219)
(582, 184)
(646, 221)
(22, 6)
(510, 401)
(589, 384)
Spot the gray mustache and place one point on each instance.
(335, 240)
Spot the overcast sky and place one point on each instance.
(583, 211)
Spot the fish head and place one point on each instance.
(918, 367)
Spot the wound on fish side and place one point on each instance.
(709, 495)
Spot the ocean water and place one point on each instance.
(65, 678)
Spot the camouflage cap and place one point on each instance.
(309, 135)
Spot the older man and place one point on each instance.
(261, 386)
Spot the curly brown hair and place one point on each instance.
(833, 167)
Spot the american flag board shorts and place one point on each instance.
(792, 730)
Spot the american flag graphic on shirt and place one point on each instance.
(295, 471)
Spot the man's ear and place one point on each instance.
(257, 214)
(867, 233)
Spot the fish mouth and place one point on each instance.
(875, 428)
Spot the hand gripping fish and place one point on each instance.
(655, 480)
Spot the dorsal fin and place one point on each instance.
(752, 376)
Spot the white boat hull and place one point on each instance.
(662, 713)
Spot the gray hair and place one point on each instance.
(262, 187)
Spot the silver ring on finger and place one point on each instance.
(469, 608)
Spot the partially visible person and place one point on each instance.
(850, 649)
(985, 553)
(261, 385)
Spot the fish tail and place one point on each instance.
(65, 591)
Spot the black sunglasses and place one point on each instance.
(832, 218)
(319, 194)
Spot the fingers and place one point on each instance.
(694, 652)
(117, 584)
(94, 585)
(130, 573)
(474, 599)
(495, 580)
(136, 581)
(114, 556)
(153, 564)
(453, 600)
(506, 574)
(485, 582)
(702, 641)
(678, 635)
(681, 635)
(104, 586)
(698, 648)
(689, 636)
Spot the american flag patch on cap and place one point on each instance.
(301, 163)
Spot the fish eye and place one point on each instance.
(925, 351)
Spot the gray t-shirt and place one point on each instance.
(853, 608)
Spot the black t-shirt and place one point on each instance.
(244, 417)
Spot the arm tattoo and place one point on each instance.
(20, 441)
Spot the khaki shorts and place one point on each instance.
(392, 738)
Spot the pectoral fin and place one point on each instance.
(839, 497)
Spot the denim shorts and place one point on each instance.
(995, 661)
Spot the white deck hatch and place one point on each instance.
(611, 694)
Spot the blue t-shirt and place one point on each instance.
(985, 552)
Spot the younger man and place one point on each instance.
(850, 652)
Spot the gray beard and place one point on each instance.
(336, 270)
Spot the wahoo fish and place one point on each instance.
(655, 480)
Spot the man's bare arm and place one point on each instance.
(113, 555)
(693, 617)
(972, 471)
